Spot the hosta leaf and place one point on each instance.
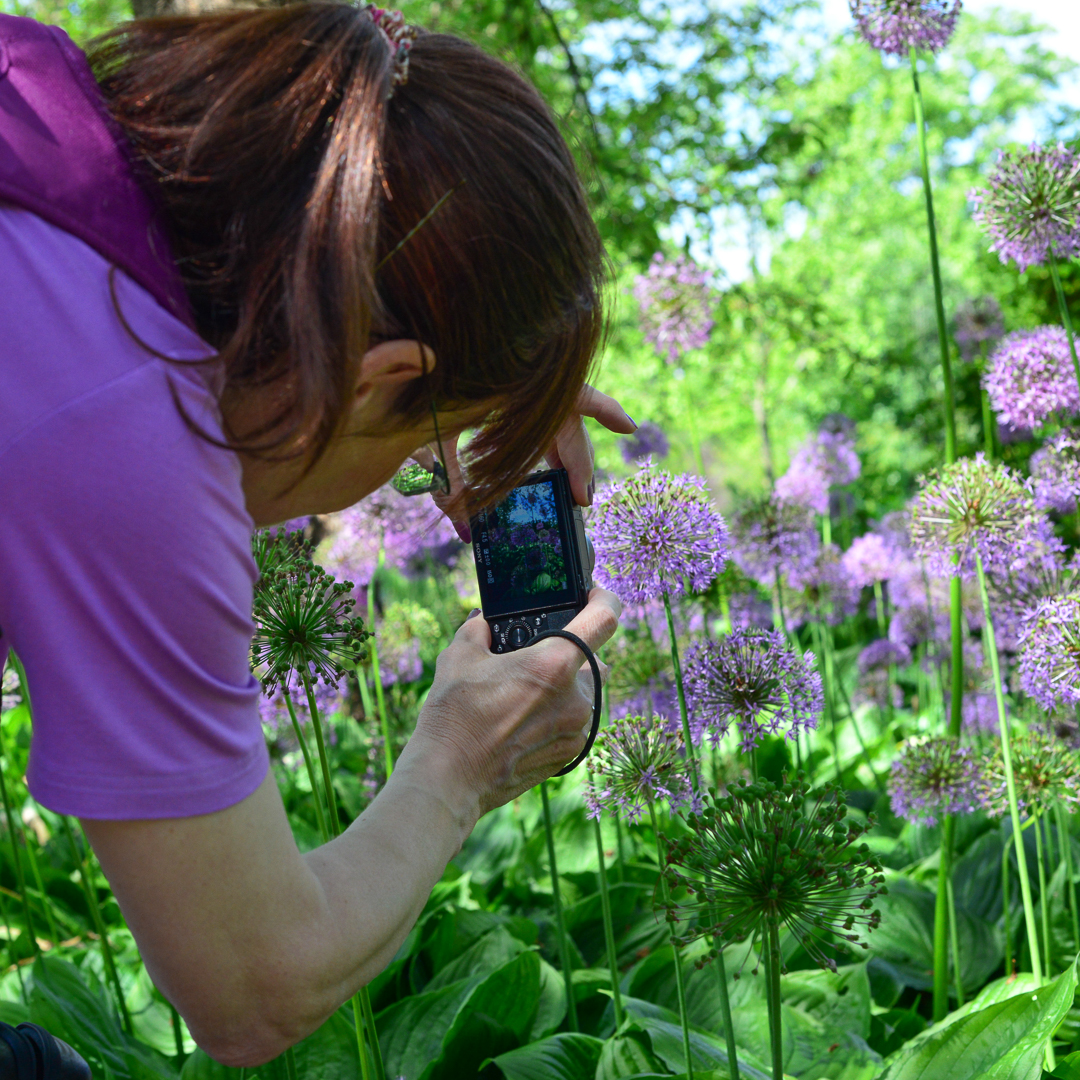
(493, 950)
(551, 1007)
(1003, 1041)
(567, 1056)
(626, 1054)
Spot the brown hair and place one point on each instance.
(290, 176)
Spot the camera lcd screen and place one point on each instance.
(524, 546)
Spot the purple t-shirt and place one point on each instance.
(125, 548)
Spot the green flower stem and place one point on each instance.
(99, 922)
(376, 677)
(680, 984)
(1070, 885)
(1044, 901)
(320, 816)
(1006, 908)
(725, 1010)
(954, 938)
(1066, 318)
(619, 856)
(830, 704)
(20, 876)
(178, 1034)
(10, 939)
(362, 999)
(290, 1064)
(691, 756)
(772, 989)
(560, 924)
(35, 869)
(941, 922)
(1010, 780)
(609, 929)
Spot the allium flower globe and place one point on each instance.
(648, 441)
(771, 537)
(934, 778)
(1031, 380)
(761, 858)
(675, 303)
(1031, 205)
(1055, 471)
(871, 558)
(897, 26)
(1049, 665)
(978, 321)
(1046, 770)
(634, 763)
(821, 589)
(755, 680)
(656, 533)
(973, 508)
(804, 484)
(880, 655)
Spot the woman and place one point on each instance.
(245, 258)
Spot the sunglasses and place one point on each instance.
(417, 479)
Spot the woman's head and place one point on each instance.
(291, 175)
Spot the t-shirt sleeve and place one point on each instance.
(125, 587)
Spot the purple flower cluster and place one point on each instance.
(750, 609)
(977, 321)
(648, 441)
(655, 533)
(676, 303)
(1055, 471)
(656, 697)
(897, 26)
(974, 508)
(1049, 665)
(934, 778)
(754, 679)
(826, 460)
(1031, 206)
(881, 654)
(773, 537)
(329, 699)
(871, 558)
(1046, 771)
(410, 532)
(1031, 379)
(635, 763)
(821, 589)
(804, 484)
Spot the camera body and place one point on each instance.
(534, 562)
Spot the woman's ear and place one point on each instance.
(390, 364)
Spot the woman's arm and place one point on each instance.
(255, 944)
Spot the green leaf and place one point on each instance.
(551, 1007)
(1068, 1068)
(424, 1033)
(567, 1056)
(839, 1001)
(493, 950)
(626, 1054)
(1003, 1041)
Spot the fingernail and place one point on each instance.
(630, 418)
(463, 531)
(472, 614)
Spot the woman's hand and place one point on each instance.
(572, 450)
(504, 722)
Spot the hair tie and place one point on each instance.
(399, 36)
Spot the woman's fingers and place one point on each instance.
(605, 410)
(573, 450)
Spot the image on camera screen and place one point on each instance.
(527, 558)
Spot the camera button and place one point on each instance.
(519, 635)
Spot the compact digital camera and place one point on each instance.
(534, 562)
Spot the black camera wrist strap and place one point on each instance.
(598, 693)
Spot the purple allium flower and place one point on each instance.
(1031, 208)
(1045, 770)
(978, 712)
(897, 26)
(1049, 665)
(657, 533)
(1031, 378)
(870, 558)
(821, 589)
(408, 635)
(921, 603)
(657, 697)
(880, 655)
(676, 303)
(828, 459)
(1055, 471)
(1007, 434)
(634, 763)
(804, 484)
(411, 532)
(648, 441)
(754, 679)
(839, 459)
(750, 609)
(973, 507)
(1041, 575)
(773, 537)
(10, 694)
(978, 320)
(329, 699)
(934, 778)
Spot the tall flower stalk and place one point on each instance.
(305, 631)
(609, 928)
(563, 942)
